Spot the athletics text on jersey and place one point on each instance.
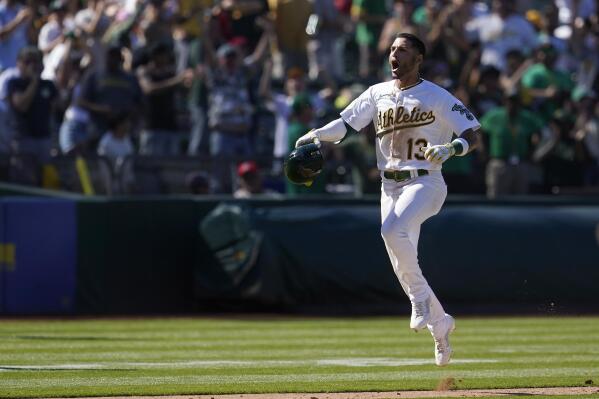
(407, 120)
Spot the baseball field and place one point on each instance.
(227, 355)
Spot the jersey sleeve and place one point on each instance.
(456, 116)
(359, 113)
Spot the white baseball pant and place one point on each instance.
(404, 207)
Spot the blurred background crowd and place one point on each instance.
(207, 96)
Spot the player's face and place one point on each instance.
(404, 59)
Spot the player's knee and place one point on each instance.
(393, 231)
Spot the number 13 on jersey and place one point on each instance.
(408, 149)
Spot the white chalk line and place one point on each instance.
(349, 362)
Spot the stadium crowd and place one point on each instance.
(227, 87)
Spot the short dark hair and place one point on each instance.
(114, 121)
(29, 52)
(414, 40)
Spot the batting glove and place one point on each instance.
(438, 153)
(308, 138)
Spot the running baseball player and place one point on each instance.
(415, 121)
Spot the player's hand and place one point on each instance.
(438, 153)
(308, 138)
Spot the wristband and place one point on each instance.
(461, 146)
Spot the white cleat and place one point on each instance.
(440, 332)
(420, 314)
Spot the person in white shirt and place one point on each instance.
(116, 143)
(52, 33)
(501, 31)
(414, 121)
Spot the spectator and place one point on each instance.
(515, 66)
(14, 22)
(198, 183)
(230, 112)
(487, 91)
(501, 31)
(93, 23)
(75, 135)
(110, 92)
(511, 131)
(447, 36)
(116, 143)
(545, 85)
(570, 9)
(52, 33)
(31, 100)
(561, 156)
(280, 105)
(230, 105)
(586, 132)
(250, 182)
(323, 46)
(240, 18)
(290, 20)
(6, 133)
(399, 21)
(301, 121)
(72, 46)
(369, 16)
(197, 98)
(160, 81)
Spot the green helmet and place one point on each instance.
(304, 164)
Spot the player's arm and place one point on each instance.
(357, 115)
(334, 131)
(466, 142)
(471, 139)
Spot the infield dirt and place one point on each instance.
(469, 393)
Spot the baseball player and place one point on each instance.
(415, 121)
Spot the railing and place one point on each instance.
(152, 175)
(163, 175)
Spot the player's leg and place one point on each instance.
(436, 309)
(403, 210)
(409, 207)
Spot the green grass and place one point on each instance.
(194, 356)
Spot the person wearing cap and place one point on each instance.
(230, 109)
(511, 132)
(250, 182)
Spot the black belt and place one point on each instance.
(403, 175)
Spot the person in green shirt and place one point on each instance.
(544, 84)
(511, 132)
(302, 115)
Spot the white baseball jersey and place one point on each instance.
(406, 120)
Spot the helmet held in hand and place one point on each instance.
(304, 164)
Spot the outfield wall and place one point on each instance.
(155, 256)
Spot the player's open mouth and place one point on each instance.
(394, 65)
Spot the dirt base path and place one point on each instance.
(470, 393)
